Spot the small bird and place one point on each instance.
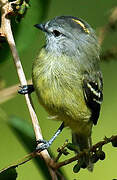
(67, 78)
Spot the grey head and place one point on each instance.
(70, 36)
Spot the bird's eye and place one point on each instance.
(56, 33)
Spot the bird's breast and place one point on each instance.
(58, 84)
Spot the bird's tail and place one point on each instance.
(83, 142)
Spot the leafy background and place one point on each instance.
(29, 41)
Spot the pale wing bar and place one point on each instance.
(93, 97)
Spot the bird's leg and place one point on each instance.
(26, 89)
(46, 144)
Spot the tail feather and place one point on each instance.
(83, 142)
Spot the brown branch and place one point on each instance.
(10, 92)
(98, 146)
(112, 139)
(6, 29)
(61, 151)
(109, 27)
(7, 32)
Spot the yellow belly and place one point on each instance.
(60, 92)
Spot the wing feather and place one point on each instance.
(93, 95)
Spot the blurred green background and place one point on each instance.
(29, 41)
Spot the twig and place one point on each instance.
(61, 177)
(101, 34)
(7, 32)
(95, 148)
(6, 28)
(81, 154)
(10, 92)
(110, 26)
(61, 151)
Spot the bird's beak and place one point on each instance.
(41, 27)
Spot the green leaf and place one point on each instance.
(25, 134)
(76, 168)
(8, 173)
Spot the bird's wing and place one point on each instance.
(92, 88)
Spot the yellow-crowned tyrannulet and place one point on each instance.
(67, 77)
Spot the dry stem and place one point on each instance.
(78, 156)
(10, 92)
(109, 27)
(7, 32)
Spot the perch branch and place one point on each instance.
(55, 165)
(112, 139)
(7, 32)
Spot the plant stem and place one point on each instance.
(7, 32)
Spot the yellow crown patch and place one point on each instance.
(82, 25)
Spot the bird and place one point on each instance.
(67, 78)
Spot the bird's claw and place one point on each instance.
(43, 146)
(26, 89)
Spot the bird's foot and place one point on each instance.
(26, 89)
(45, 145)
